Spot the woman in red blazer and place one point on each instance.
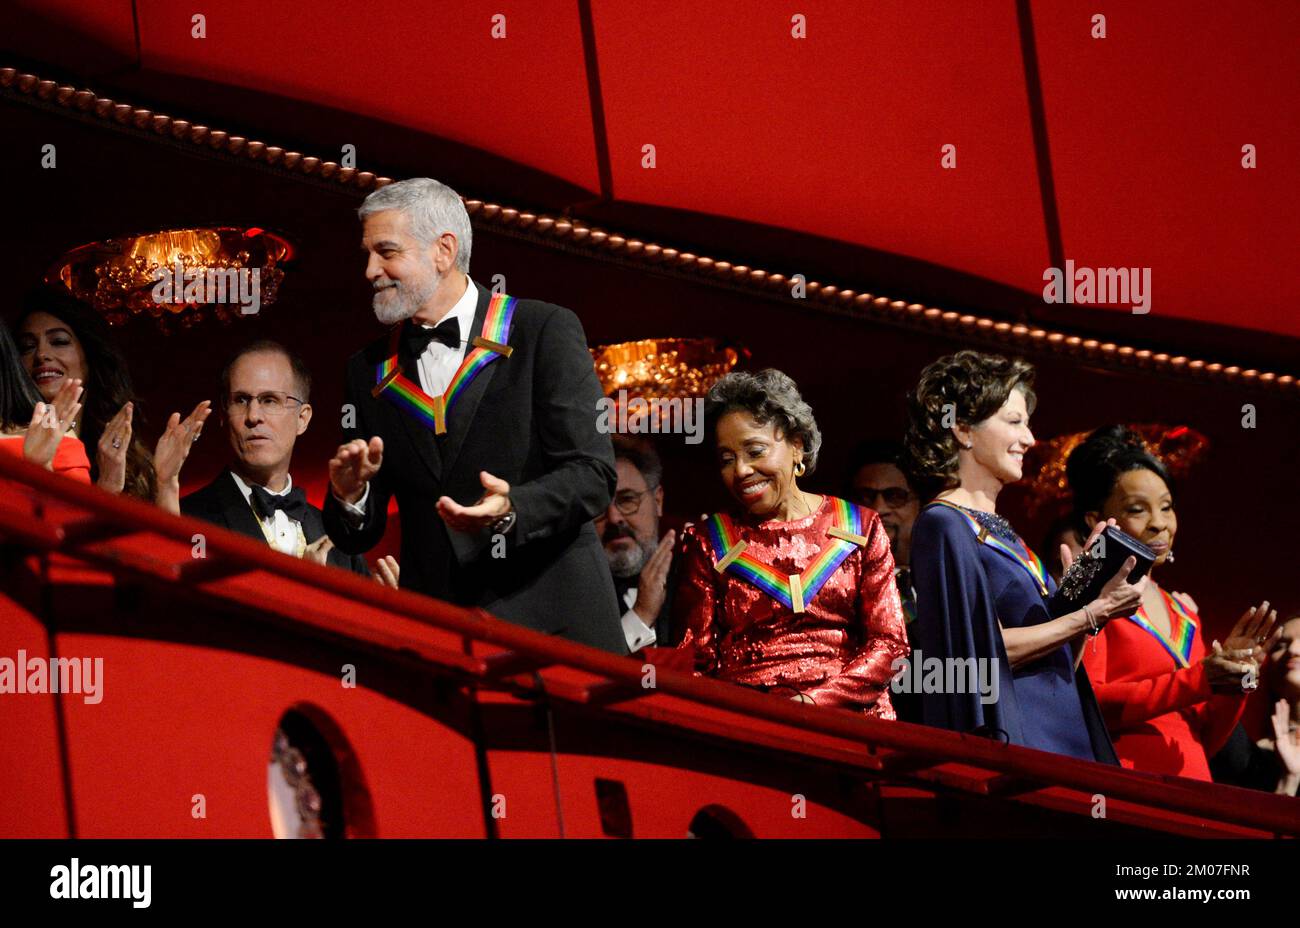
(1167, 699)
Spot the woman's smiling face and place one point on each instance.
(756, 463)
(999, 443)
(51, 352)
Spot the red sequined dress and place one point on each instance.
(839, 651)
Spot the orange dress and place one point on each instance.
(1155, 696)
(69, 458)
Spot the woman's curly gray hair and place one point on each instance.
(768, 396)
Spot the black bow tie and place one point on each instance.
(293, 503)
(416, 338)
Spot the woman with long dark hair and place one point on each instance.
(981, 593)
(1169, 701)
(32, 429)
(60, 340)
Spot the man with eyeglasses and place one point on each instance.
(638, 558)
(265, 391)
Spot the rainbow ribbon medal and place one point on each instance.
(1180, 648)
(405, 393)
(1022, 556)
(793, 591)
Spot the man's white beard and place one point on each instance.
(405, 301)
(628, 562)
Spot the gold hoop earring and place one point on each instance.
(799, 468)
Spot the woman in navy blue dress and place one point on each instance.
(980, 592)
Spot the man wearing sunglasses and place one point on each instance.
(877, 481)
(264, 407)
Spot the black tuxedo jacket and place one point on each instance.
(221, 503)
(529, 419)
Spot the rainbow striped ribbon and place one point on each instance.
(794, 591)
(406, 394)
(1024, 557)
(1180, 648)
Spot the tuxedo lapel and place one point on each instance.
(426, 444)
(238, 513)
(313, 526)
(460, 418)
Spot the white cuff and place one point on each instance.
(355, 513)
(637, 633)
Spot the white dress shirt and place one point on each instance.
(435, 367)
(637, 633)
(281, 528)
(438, 364)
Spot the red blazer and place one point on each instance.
(69, 458)
(1159, 709)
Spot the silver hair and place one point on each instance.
(432, 207)
(768, 396)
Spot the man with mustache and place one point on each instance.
(638, 558)
(265, 405)
(478, 412)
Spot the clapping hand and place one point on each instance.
(388, 572)
(50, 423)
(491, 506)
(318, 552)
(1230, 665)
(1252, 631)
(1285, 741)
(113, 446)
(174, 444)
(652, 588)
(353, 466)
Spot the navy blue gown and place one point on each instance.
(965, 585)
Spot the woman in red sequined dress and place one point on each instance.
(791, 592)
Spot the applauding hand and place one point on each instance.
(491, 506)
(388, 572)
(49, 424)
(174, 444)
(111, 453)
(1287, 745)
(171, 451)
(318, 552)
(353, 466)
(652, 588)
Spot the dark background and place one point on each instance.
(1236, 510)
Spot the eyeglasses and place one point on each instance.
(893, 496)
(629, 501)
(273, 403)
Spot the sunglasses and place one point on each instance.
(894, 497)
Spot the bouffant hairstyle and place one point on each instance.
(1097, 462)
(768, 396)
(960, 389)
